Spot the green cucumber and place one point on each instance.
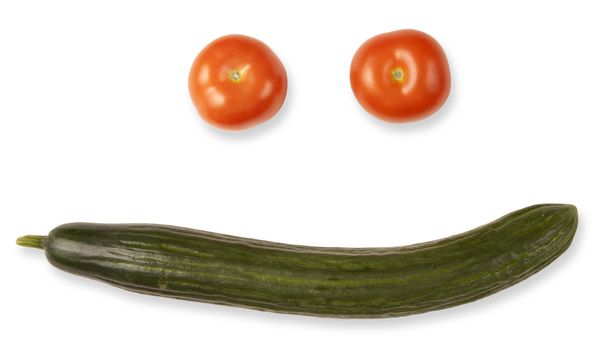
(331, 282)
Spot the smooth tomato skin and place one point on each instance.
(237, 82)
(400, 76)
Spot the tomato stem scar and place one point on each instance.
(398, 74)
(235, 76)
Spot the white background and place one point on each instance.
(97, 125)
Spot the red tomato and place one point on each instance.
(400, 76)
(237, 82)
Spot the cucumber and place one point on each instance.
(330, 282)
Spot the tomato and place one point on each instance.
(400, 76)
(237, 82)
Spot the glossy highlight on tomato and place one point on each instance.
(400, 76)
(237, 82)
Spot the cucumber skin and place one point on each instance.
(329, 282)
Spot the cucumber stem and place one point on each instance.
(32, 241)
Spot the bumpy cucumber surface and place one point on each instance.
(331, 282)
